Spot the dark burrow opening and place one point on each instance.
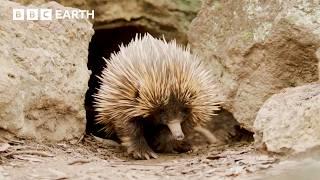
(107, 41)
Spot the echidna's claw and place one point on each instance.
(146, 156)
(143, 153)
(154, 155)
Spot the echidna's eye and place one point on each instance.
(163, 117)
(161, 111)
(183, 113)
(185, 110)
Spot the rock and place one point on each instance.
(257, 48)
(159, 17)
(43, 77)
(289, 122)
(291, 169)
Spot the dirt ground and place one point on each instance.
(94, 158)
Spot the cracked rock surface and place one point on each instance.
(43, 77)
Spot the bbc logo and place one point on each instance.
(32, 14)
(49, 14)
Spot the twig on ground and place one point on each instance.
(79, 161)
(39, 153)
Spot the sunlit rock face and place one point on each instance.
(44, 75)
(257, 48)
(289, 122)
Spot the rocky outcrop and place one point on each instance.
(257, 48)
(43, 77)
(167, 17)
(289, 122)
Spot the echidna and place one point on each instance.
(152, 93)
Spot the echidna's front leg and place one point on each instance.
(133, 139)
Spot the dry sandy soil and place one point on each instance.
(94, 158)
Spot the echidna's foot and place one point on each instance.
(133, 139)
(181, 146)
(142, 152)
(138, 148)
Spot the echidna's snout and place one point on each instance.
(175, 128)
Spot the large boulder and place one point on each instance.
(44, 75)
(257, 48)
(167, 17)
(289, 122)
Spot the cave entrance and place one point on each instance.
(103, 43)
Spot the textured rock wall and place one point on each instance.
(43, 77)
(257, 48)
(167, 17)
